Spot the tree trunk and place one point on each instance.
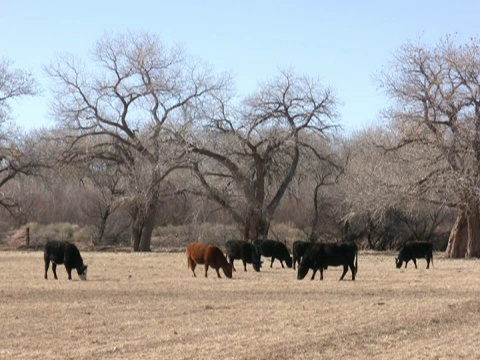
(473, 244)
(136, 231)
(148, 226)
(314, 233)
(256, 226)
(464, 238)
(143, 222)
(102, 226)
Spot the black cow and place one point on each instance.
(320, 255)
(245, 251)
(299, 248)
(274, 249)
(62, 252)
(415, 250)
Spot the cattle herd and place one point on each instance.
(305, 255)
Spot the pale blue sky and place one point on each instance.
(343, 42)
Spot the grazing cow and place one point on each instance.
(320, 255)
(274, 249)
(299, 248)
(62, 252)
(245, 251)
(208, 255)
(415, 250)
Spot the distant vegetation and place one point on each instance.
(153, 149)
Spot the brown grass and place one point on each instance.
(147, 306)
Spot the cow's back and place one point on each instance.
(55, 251)
(197, 252)
(245, 251)
(234, 248)
(249, 253)
(299, 247)
(280, 250)
(72, 256)
(415, 249)
(260, 247)
(312, 259)
(418, 249)
(269, 248)
(313, 255)
(214, 257)
(336, 254)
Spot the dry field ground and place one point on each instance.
(147, 306)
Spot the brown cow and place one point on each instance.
(208, 255)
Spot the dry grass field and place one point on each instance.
(147, 306)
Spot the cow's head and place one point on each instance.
(289, 262)
(256, 262)
(257, 266)
(398, 263)
(302, 271)
(82, 272)
(227, 269)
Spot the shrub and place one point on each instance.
(41, 233)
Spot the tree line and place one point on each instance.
(147, 135)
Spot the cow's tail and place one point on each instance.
(356, 260)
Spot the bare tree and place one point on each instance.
(105, 180)
(424, 224)
(436, 116)
(375, 177)
(377, 187)
(249, 154)
(15, 154)
(132, 98)
(323, 165)
(14, 83)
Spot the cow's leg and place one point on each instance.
(345, 269)
(281, 263)
(313, 275)
(193, 265)
(69, 272)
(47, 265)
(54, 269)
(218, 272)
(406, 263)
(206, 269)
(321, 272)
(271, 263)
(231, 263)
(244, 265)
(294, 261)
(352, 269)
(415, 262)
